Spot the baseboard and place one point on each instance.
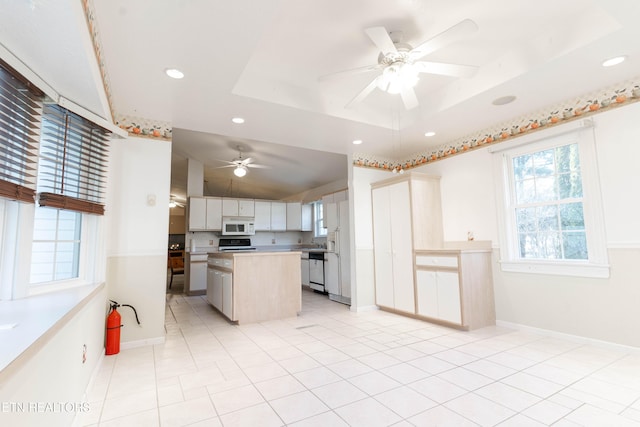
(570, 337)
(141, 343)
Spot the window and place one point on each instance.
(320, 228)
(56, 245)
(551, 206)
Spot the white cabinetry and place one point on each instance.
(214, 214)
(220, 285)
(263, 215)
(406, 216)
(455, 287)
(392, 247)
(197, 213)
(205, 214)
(306, 221)
(238, 207)
(294, 216)
(304, 268)
(278, 216)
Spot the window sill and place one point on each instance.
(598, 271)
(26, 324)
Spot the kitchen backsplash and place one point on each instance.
(205, 240)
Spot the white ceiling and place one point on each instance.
(261, 60)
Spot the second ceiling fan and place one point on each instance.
(398, 63)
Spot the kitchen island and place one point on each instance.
(249, 287)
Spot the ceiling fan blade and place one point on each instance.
(224, 161)
(363, 93)
(350, 72)
(458, 31)
(409, 98)
(441, 68)
(226, 166)
(380, 37)
(253, 165)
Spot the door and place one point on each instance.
(246, 207)
(382, 246)
(198, 276)
(197, 213)
(344, 249)
(263, 216)
(216, 296)
(332, 273)
(230, 207)
(304, 266)
(294, 216)
(227, 295)
(449, 296)
(214, 214)
(401, 247)
(427, 293)
(278, 216)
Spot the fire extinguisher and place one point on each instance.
(112, 345)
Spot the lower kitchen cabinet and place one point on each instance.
(304, 267)
(455, 287)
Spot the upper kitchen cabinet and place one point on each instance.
(294, 216)
(197, 213)
(214, 213)
(262, 220)
(205, 214)
(307, 217)
(278, 216)
(238, 207)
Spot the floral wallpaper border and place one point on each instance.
(593, 103)
(135, 126)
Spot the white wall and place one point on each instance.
(363, 285)
(600, 309)
(138, 224)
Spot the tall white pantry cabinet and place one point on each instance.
(414, 274)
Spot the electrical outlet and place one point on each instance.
(273, 241)
(210, 242)
(84, 353)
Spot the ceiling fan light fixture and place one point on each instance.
(397, 76)
(172, 204)
(237, 120)
(240, 171)
(174, 73)
(614, 61)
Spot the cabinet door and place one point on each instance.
(294, 216)
(306, 214)
(246, 207)
(332, 274)
(427, 293)
(210, 275)
(263, 216)
(214, 214)
(278, 216)
(449, 296)
(227, 295)
(197, 276)
(304, 266)
(382, 247)
(331, 216)
(401, 247)
(230, 207)
(216, 297)
(197, 213)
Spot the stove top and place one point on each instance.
(237, 244)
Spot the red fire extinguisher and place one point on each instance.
(112, 346)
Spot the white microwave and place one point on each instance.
(233, 226)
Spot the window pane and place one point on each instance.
(526, 220)
(546, 189)
(523, 167)
(549, 245)
(525, 191)
(570, 185)
(548, 218)
(528, 243)
(575, 245)
(544, 163)
(567, 158)
(572, 216)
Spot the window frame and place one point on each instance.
(597, 263)
(318, 220)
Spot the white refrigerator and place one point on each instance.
(337, 258)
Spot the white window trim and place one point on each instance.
(597, 265)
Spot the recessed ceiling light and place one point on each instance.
(174, 73)
(238, 120)
(614, 61)
(357, 142)
(430, 134)
(504, 100)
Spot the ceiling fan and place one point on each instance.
(398, 63)
(240, 164)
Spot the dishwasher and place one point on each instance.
(316, 271)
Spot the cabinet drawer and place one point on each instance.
(436, 261)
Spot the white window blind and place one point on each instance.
(73, 161)
(20, 109)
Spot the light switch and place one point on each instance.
(151, 199)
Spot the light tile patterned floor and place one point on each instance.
(332, 367)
